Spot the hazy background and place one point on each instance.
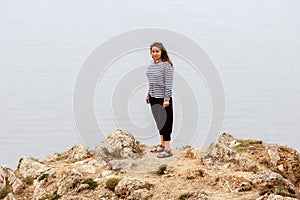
(254, 44)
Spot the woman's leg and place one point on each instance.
(168, 125)
(159, 115)
(166, 132)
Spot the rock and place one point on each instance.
(235, 184)
(56, 181)
(9, 196)
(241, 168)
(52, 158)
(195, 153)
(140, 194)
(119, 144)
(275, 197)
(83, 187)
(286, 161)
(106, 173)
(273, 154)
(223, 153)
(127, 186)
(86, 168)
(266, 181)
(41, 185)
(202, 196)
(280, 168)
(74, 154)
(121, 139)
(9, 179)
(190, 153)
(121, 165)
(31, 167)
(68, 181)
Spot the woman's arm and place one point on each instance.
(168, 78)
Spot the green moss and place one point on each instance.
(74, 160)
(36, 160)
(147, 186)
(3, 192)
(185, 196)
(278, 190)
(92, 184)
(201, 172)
(28, 180)
(112, 183)
(115, 153)
(245, 144)
(161, 169)
(44, 176)
(137, 148)
(255, 170)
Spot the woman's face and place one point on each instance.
(156, 54)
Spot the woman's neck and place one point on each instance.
(157, 61)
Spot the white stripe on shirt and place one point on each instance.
(160, 77)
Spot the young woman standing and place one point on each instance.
(160, 77)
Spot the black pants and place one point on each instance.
(163, 116)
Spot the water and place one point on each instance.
(255, 46)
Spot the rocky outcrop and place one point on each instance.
(74, 154)
(9, 182)
(120, 150)
(223, 152)
(132, 189)
(274, 166)
(121, 168)
(29, 167)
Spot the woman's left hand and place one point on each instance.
(166, 103)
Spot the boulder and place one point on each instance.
(273, 182)
(73, 154)
(31, 167)
(286, 161)
(234, 183)
(140, 194)
(121, 165)
(127, 186)
(224, 153)
(119, 144)
(275, 197)
(9, 180)
(68, 181)
(9, 196)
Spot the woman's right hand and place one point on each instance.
(147, 101)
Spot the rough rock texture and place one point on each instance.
(74, 154)
(119, 144)
(274, 165)
(223, 153)
(120, 168)
(275, 197)
(10, 196)
(132, 189)
(31, 167)
(120, 150)
(9, 180)
(285, 161)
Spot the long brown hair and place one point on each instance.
(164, 53)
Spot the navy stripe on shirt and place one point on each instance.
(160, 77)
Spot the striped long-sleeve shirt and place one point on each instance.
(160, 77)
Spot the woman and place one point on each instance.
(160, 77)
